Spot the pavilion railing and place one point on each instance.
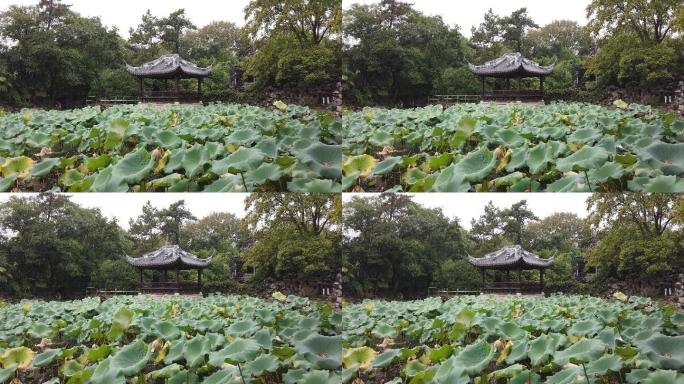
(170, 287)
(453, 99)
(514, 287)
(511, 94)
(171, 96)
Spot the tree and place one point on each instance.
(296, 236)
(634, 233)
(514, 28)
(651, 21)
(171, 220)
(55, 246)
(515, 219)
(173, 27)
(309, 21)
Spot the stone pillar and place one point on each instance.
(337, 291)
(678, 293)
(679, 98)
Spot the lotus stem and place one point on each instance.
(242, 175)
(241, 376)
(586, 376)
(586, 176)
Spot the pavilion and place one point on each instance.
(511, 66)
(169, 67)
(511, 258)
(169, 258)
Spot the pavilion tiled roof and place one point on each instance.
(511, 65)
(169, 257)
(169, 66)
(511, 257)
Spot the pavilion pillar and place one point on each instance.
(199, 278)
(141, 87)
(520, 280)
(166, 85)
(177, 85)
(541, 85)
(141, 278)
(541, 278)
(178, 279)
(199, 85)
(482, 88)
(519, 87)
(482, 281)
(166, 275)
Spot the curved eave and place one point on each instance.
(177, 263)
(170, 73)
(519, 263)
(522, 70)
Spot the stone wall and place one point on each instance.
(678, 291)
(669, 96)
(328, 97)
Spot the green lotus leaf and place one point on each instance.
(450, 181)
(666, 351)
(450, 372)
(664, 377)
(476, 165)
(19, 357)
(359, 165)
(584, 136)
(166, 372)
(570, 183)
(324, 159)
(664, 184)
(669, 158)
(195, 350)
(166, 181)
(7, 182)
(606, 172)
(384, 331)
(381, 139)
(242, 160)
(414, 367)
(510, 138)
(584, 159)
(6, 373)
(116, 133)
(223, 376)
(98, 353)
(134, 167)
(439, 161)
(317, 377)
(43, 168)
(262, 365)
(526, 377)
(97, 163)
(266, 172)
(585, 327)
(169, 139)
(243, 327)
(17, 166)
(572, 375)
(108, 373)
(544, 347)
(131, 359)
(239, 351)
(167, 330)
(46, 358)
(475, 357)
(361, 358)
(584, 351)
(605, 364)
(385, 359)
(40, 330)
(386, 166)
(194, 160)
(243, 137)
(72, 368)
(508, 372)
(324, 352)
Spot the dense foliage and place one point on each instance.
(395, 55)
(176, 148)
(559, 339)
(51, 56)
(297, 236)
(562, 147)
(218, 339)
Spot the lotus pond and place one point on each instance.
(483, 339)
(217, 339)
(562, 147)
(216, 148)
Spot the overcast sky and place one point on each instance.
(125, 14)
(467, 14)
(124, 206)
(467, 206)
